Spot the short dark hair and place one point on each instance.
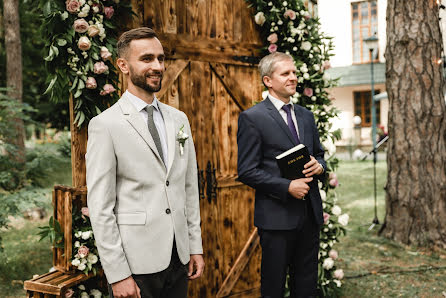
(133, 34)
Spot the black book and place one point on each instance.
(291, 162)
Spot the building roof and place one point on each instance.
(359, 74)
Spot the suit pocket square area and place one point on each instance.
(138, 218)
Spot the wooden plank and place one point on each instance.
(180, 6)
(187, 47)
(138, 9)
(232, 86)
(252, 293)
(238, 7)
(78, 150)
(67, 229)
(239, 264)
(228, 181)
(168, 16)
(171, 74)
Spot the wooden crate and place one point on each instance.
(64, 198)
(53, 284)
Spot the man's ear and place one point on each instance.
(123, 66)
(267, 81)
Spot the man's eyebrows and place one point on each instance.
(153, 56)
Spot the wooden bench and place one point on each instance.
(53, 284)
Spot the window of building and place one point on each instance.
(364, 25)
(363, 107)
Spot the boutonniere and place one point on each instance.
(181, 138)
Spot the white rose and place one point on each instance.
(339, 274)
(306, 76)
(323, 194)
(82, 14)
(78, 234)
(64, 15)
(328, 263)
(92, 258)
(279, 22)
(270, 3)
(81, 267)
(84, 295)
(77, 244)
(326, 230)
(330, 226)
(81, 287)
(259, 18)
(75, 262)
(295, 49)
(343, 219)
(306, 46)
(285, 3)
(95, 9)
(329, 147)
(82, 2)
(337, 282)
(96, 293)
(336, 210)
(313, 98)
(86, 235)
(316, 67)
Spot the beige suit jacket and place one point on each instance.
(137, 204)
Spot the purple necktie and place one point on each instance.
(291, 126)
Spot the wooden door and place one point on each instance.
(212, 51)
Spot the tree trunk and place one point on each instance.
(416, 182)
(13, 47)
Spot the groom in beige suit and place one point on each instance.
(142, 182)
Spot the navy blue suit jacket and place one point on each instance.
(262, 135)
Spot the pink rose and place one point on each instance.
(80, 26)
(108, 88)
(308, 92)
(72, 6)
(100, 67)
(272, 48)
(339, 274)
(84, 43)
(290, 14)
(273, 38)
(326, 65)
(105, 53)
(108, 11)
(333, 254)
(90, 84)
(326, 217)
(83, 251)
(93, 30)
(69, 293)
(332, 175)
(333, 182)
(84, 210)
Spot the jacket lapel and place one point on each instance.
(170, 133)
(300, 123)
(279, 120)
(136, 121)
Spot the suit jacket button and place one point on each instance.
(168, 211)
(167, 183)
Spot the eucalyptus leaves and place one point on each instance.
(81, 40)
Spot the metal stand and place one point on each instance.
(375, 220)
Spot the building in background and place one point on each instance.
(350, 22)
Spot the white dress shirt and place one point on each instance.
(279, 104)
(140, 106)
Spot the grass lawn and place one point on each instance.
(23, 254)
(373, 265)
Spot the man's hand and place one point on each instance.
(126, 288)
(196, 262)
(313, 167)
(299, 188)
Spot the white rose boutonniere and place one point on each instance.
(181, 138)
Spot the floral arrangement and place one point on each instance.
(85, 254)
(289, 27)
(87, 289)
(81, 46)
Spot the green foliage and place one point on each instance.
(64, 146)
(69, 67)
(52, 231)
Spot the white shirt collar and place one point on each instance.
(139, 103)
(278, 103)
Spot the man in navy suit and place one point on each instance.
(288, 213)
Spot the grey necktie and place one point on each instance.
(153, 131)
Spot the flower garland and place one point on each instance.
(81, 46)
(288, 26)
(85, 254)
